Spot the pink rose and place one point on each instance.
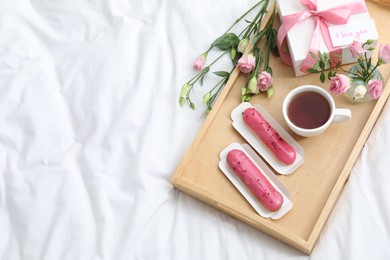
(247, 63)
(384, 53)
(356, 49)
(199, 62)
(339, 84)
(375, 88)
(264, 81)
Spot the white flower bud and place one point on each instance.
(243, 45)
(359, 92)
(270, 92)
(184, 90)
(243, 91)
(252, 86)
(182, 100)
(206, 98)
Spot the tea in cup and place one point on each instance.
(309, 110)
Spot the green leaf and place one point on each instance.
(326, 56)
(369, 63)
(201, 79)
(322, 65)
(276, 52)
(369, 42)
(320, 55)
(258, 36)
(271, 39)
(322, 77)
(233, 52)
(330, 74)
(192, 106)
(312, 71)
(269, 70)
(182, 101)
(204, 72)
(222, 74)
(316, 65)
(226, 42)
(313, 55)
(260, 58)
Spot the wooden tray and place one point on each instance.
(316, 185)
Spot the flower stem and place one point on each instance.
(220, 56)
(255, 21)
(220, 82)
(242, 16)
(238, 20)
(349, 72)
(244, 29)
(204, 71)
(195, 78)
(259, 58)
(269, 39)
(372, 71)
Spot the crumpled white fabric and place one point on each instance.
(91, 133)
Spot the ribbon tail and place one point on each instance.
(326, 35)
(288, 22)
(282, 34)
(309, 62)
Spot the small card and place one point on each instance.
(360, 31)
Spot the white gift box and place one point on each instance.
(360, 27)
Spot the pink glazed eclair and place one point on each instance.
(255, 181)
(282, 151)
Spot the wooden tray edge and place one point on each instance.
(344, 175)
(263, 225)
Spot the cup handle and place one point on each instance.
(341, 115)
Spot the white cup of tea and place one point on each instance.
(309, 110)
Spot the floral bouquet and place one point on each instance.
(363, 82)
(255, 64)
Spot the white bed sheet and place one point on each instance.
(91, 132)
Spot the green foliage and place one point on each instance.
(222, 74)
(226, 42)
(264, 42)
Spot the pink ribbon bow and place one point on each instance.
(337, 15)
